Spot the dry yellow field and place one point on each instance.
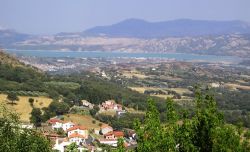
(131, 74)
(107, 112)
(163, 96)
(142, 89)
(241, 81)
(237, 86)
(180, 90)
(84, 120)
(163, 77)
(23, 108)
(132, 110)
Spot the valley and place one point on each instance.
(163, 78)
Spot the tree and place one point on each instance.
(36, 117)
(72, 148)
(60, 131)
(120, 145)
(150, 134)
(12, 97)
(206, 119)
(205, 131)
(31, 101)
(58, 108)
(14, 138)
(94, 110)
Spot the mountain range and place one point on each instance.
(135, 35)
(175, 28)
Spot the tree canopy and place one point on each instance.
(14, 138)
(12, 97)
(205, 131)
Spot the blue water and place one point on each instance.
(97, 54)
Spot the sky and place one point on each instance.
(54, 16)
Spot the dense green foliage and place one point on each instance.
(120, 145)
(72, 148)
(31, 101)
(55, 108)
(36, 117)
(206, 131)
(125, 121)
(13, 138)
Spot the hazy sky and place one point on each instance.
(52, 16)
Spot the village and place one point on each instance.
(63, 133)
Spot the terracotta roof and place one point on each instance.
(115, 133)
(77, 127)
(74, 135)
(118, 133)
(52, 121)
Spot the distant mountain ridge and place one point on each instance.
(174, 28)
(134, 35)
(8, 37)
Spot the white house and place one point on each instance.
(79, 130)
(106, 128)
(77, 138)
(85, 103)
(56, 123)
(67, 125)
(27, 126)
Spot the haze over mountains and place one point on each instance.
(135, 35)
(175, 28)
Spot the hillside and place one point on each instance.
(15, 75)
(8, 59)
(22, 80)
(28, 82)
(230, 45)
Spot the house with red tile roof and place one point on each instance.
(114, 135)
(111, 105)
(79, 139)
(81, 130)
(56, 123)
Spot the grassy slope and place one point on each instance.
(84, 120)
(23, 108)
